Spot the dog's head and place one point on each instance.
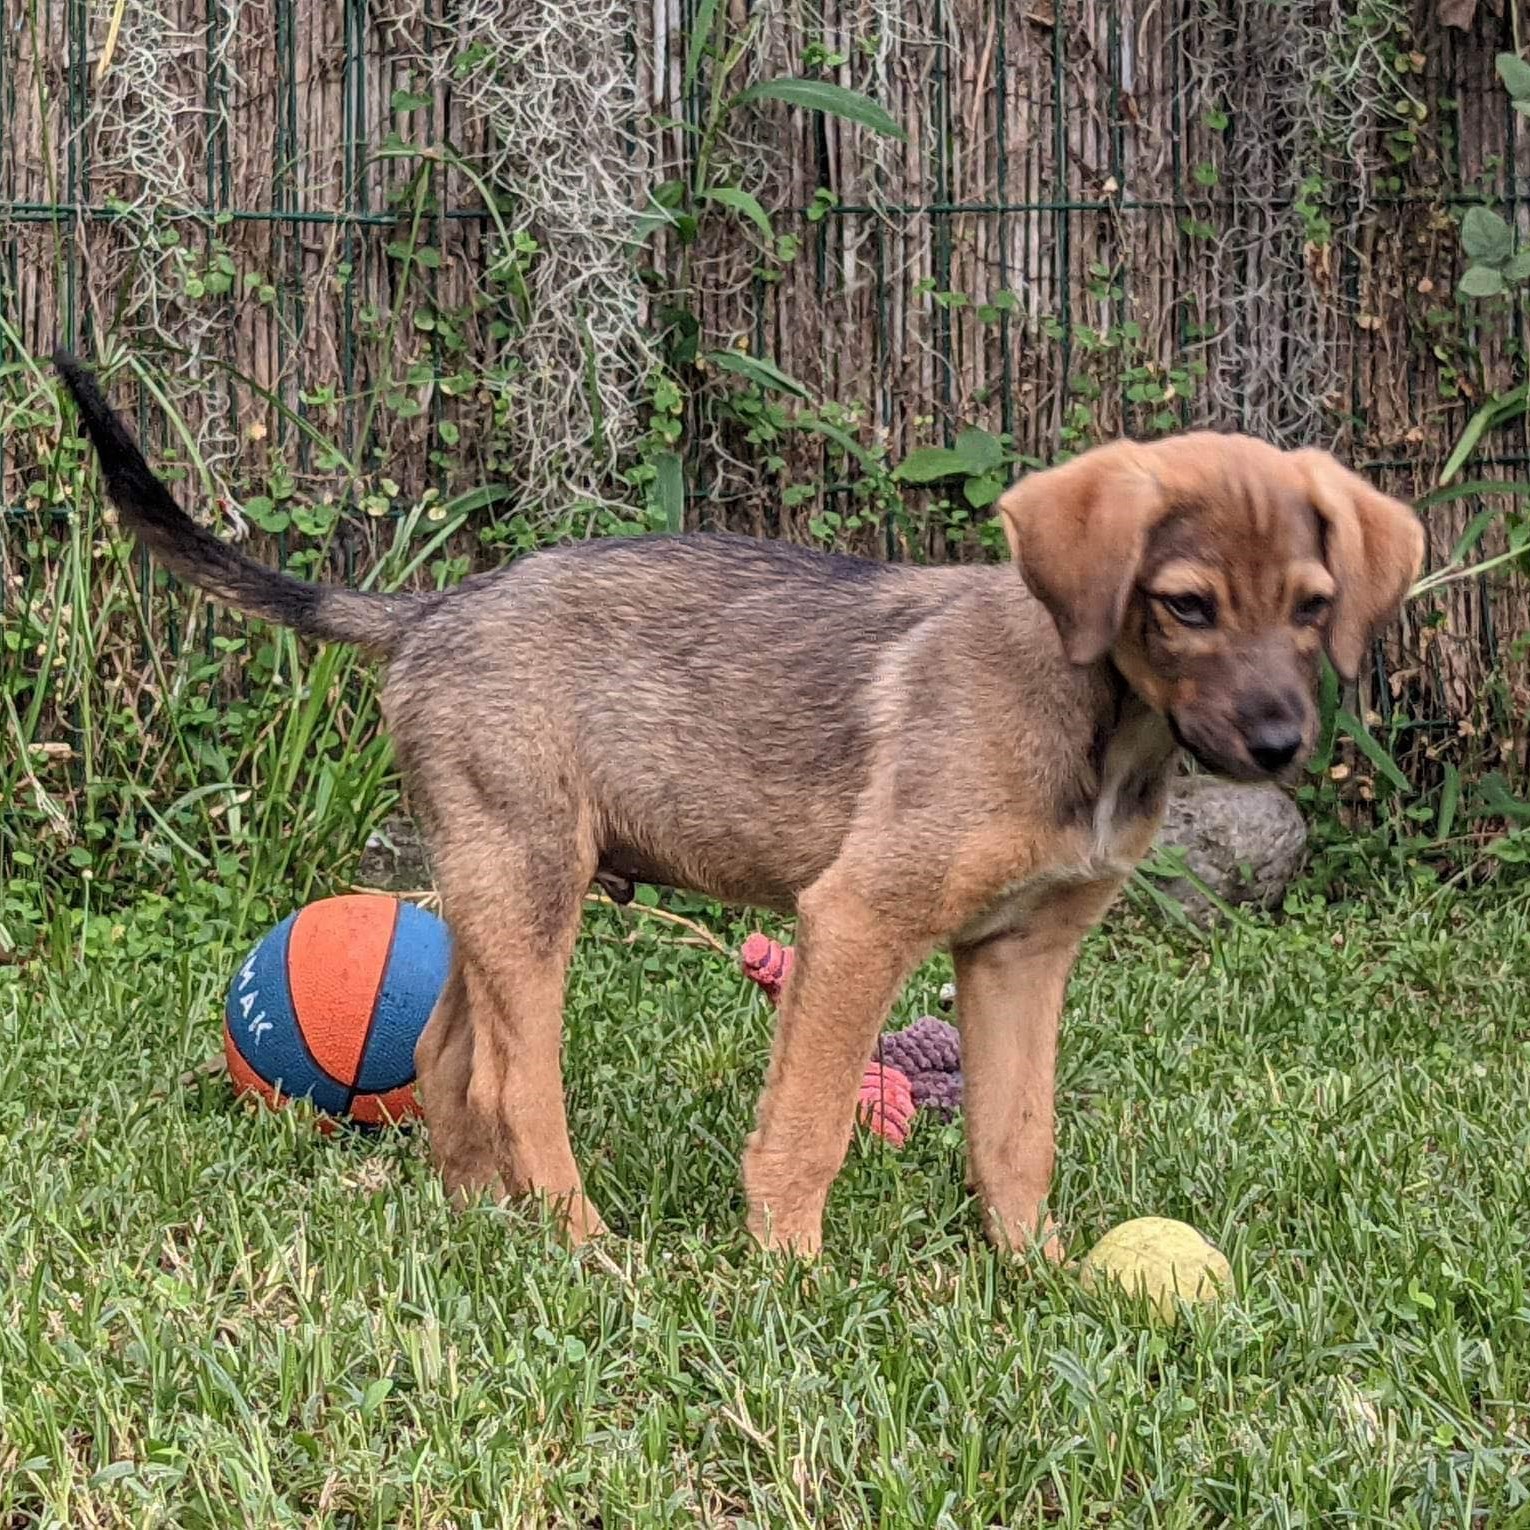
(1215, 570)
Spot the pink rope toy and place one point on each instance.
(768, 963)
(886, 1103)
(915, 1069)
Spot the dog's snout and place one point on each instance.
(1271, 725)
(1273, 744)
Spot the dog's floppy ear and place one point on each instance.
(1077, 533)
(1374, 548)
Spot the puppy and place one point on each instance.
(903, 757)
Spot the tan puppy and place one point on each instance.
(903, 757)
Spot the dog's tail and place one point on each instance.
(193, 553)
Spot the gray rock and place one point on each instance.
(1246, 843)
(395, 859)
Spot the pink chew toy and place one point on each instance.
(885, 1103)
(768, 963)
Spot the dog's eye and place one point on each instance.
(1190, 610)
(1312, 610)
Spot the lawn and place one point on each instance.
(218, 1317)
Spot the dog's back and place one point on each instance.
(715, 692)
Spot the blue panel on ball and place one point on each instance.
(265, 1029)
(412, 982)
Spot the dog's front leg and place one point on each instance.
(1009, 996)
(847, 969)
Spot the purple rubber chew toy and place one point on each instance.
(929, 1053)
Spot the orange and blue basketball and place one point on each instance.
(328, 1007)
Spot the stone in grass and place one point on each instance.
(1166, 1262)
(1246, 843)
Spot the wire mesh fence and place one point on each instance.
(369, 255)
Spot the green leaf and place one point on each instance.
(766, 374)
(1515, 74)
(1498, 801)
(408, 101)
(983, 451)
(1480, 282)
(1471, 489)
(821, 96)
(976, 454)
(1476, 529)
(1509, 848)
(1366, 743)
(1491, 414)
(669, 490)
(1450, 797)
(701, 35)
(741, 202)
(1328, 713)
(1419, 1297)
(476, 499)
(982, 492)
(1518, 268)
(663, 210)
(1486, 237)
(841, 439)
(647, 222)
(929, 464)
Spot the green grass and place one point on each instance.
(214, 1317)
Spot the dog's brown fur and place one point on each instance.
(903, 757)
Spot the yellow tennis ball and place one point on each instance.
(1159, 1259)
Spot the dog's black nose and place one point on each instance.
(1274, 744)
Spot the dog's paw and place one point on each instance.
(464, 1191)
(579, 1221)
(795, 1239)
(1021, 1238)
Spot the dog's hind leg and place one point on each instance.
(849, 963)
(461, 1141)
(514, 908)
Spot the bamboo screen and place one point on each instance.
(367, 249)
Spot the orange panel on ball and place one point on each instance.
(386, 1109)
(337, 954)
(243, 1077)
